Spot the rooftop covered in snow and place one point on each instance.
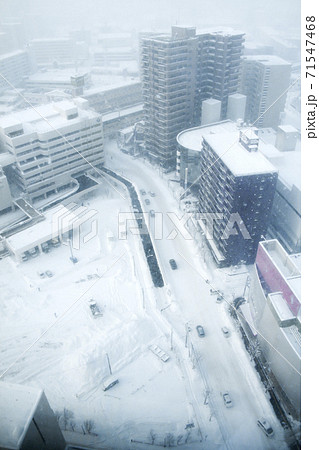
(17, 406)
(235, 156)
(46, 117)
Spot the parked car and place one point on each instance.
(152, 194)
(226, 331)
(219, 299)
(147, 201)
(109, 384)
(173, 264)
(49, 273)
(265, 426)
(227, 400)
(41, 274)
(34, 252)
(25, 257)
(200, 331)
(95, 310)
(142, 191)
(55, 242)
(152, 213)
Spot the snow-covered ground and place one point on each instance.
(49, 338)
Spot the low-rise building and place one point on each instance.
(275, 302)
(26, 420)
(51, 145)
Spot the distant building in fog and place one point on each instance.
(53, 50)
(14, 66)
(265, 79)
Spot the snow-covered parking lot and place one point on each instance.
(50, 339)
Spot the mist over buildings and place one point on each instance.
(60, 16)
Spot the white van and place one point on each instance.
(265, 426)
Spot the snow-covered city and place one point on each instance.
(150, 226)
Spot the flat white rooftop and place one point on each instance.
(46, 117)
(267, 60)
(56, 76)
(17, 406)
(237, 158)
(281, 307)
(287, 163)
(192, 138)
(47, 229)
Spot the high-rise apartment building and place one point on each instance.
(265, 80)
(237, 187)
(179, 71)
(51, 146)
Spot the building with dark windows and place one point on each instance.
(237, 187)
(179, 72)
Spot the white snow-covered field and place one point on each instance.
(49, 338)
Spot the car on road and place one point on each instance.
(147, 201)
(265, 427)
(173, 264)
(143, 192)
(49, 273)
(226, 331)
(152, 213)
(227, 400)
(200, 331)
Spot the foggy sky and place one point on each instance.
(60, 16)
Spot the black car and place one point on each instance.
(173, 264)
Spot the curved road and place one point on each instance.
(224, 363)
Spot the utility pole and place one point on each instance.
(247, 285)
(186, 337)
(108, 361)
(171, 338)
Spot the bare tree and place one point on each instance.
(169, 440)
(63, 417)
(179, 439)
(89, 426)
(152, 437)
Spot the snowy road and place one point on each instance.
(223, 362)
